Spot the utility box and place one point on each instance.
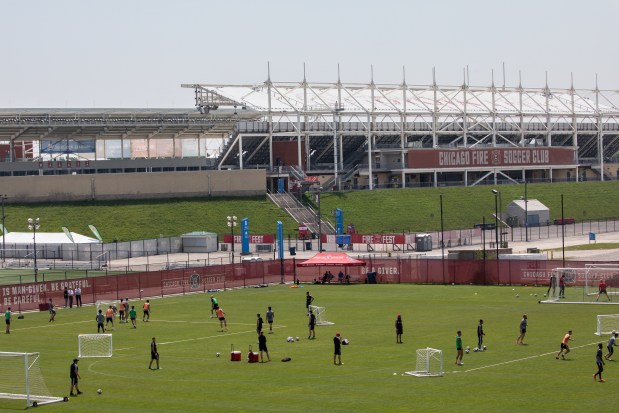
(199, 241)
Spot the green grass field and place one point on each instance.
(505, 378)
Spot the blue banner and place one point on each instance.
(342, 239)
(68, 146)
(280, 240)
(245, 236)
(339, 221)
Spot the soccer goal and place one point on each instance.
(94, 345)
(607, 324)
(582, 284)
(429, 363)
(594, 273)
(21, 379)
(104, 305)
(321, 315)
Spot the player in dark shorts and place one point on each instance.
(308, 300)
(312, 325)
(612, 342)
(214, 305)
(337, 349)
(154, 354)
(399, 329)
(74, 375)
(262, 346)
(600, 363)
(259, 323)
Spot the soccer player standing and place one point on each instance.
(259, 323)
(459, 352)
(146, 311)
(270, 316)
(480, 334)
(600, 363)
(602, 290)
(312, 325)
(262, 346)
(100, 326)
(214, 305)
(308, 300)
(337, 351)
(565, 345)
(7, 320)
(399, 329)
(222, 319)
(75, 376)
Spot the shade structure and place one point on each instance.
(323, 259)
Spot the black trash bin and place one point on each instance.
(372, 278)
(308, 246)
(293, 250)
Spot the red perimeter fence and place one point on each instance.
(31, 296)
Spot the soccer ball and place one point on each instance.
(99, 391)
(517, 296)
(290, 339)
(484, 348)
(468, 348)
(475, 349)
(218, 354)
(345, 342)
(297, 338)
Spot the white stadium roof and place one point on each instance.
(47, 238)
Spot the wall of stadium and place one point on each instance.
(134, 186)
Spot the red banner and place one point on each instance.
(490, 157)
(253, 239)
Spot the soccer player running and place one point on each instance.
(222, 319)
(270, 316)
(602, 290)
(480, 334)
(611, 343)
(565, 345)
(109, 317)
(154, 354)
(600, 363)
(312, 325)
(52, 311)
(459, 352)
(146, 311)
(523, 329)
(133, 316)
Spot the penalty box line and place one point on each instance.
(520, 359)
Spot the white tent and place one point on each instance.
(26, 238)
(538, 213)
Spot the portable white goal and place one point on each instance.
(607, 324)
(94, 345)
(321, 315)
(429, 363)
(21, 379)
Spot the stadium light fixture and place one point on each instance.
(231, 224)
(33, 225)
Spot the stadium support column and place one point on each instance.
(562, 233)
(526, 212)
(370, 157)
(33, 225)
(3, 198)
(496, 221)
(599, 124)
(442, 240)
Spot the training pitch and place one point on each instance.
(506, 378)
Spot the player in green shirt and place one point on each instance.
(132, 316)
(7, 320)
(459, 348)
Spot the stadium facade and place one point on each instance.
(336, 134)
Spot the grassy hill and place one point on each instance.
(396, 210)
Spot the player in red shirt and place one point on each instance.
(602, 290)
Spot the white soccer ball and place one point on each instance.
(544, 295)
(218, 354)
(345, 342)
(290, 339)
(297, 338)
(517, 296)
(484, 348)
(476, 349)
(99, 391)
(467, 351)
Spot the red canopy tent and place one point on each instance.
(336, 259)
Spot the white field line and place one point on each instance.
(52, 324)
(520, 359)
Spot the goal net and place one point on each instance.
(581, 285)
(21, 378)
(607, 324)
(95, 345)
(429, 363)
(104, 305)
(321, 315)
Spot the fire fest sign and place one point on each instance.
(490, 157)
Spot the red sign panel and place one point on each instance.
(253, 239)
(490, 157)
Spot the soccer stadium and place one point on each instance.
(278, 141)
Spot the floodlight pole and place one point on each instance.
(33, 225)
(496, 221)
(526, 213)
(232, 223)
(319, 218)
(562, 232)
(442, 240)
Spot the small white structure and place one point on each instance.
(199, 241)
(538, 213)
(54, 238)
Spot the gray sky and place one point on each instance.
(124, 53)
